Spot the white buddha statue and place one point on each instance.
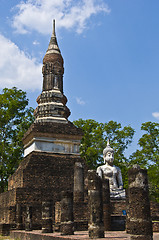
(111, 172)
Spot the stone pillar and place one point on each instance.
(57, 216)
(67, 225)
(139, 223)
(78, 182)
(19, 224)
(28, 220)
(47, 217)
(95, 206)
(106, 205)
(12, 217)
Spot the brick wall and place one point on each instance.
(40, 177)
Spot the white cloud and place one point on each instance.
(155, 115)
(80, 101)
(17, 68)
(37, 14)
(36, 42)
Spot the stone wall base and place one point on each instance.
(140, 237)
(37, 235)
(118, 223)
(155, 226)
(4, 229)
(81, 225)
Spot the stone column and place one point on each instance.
(57, 216)
(67, 225)
(139, 223)
(19, 224)
(12, 217)
(47, 217)
(28, 220)
(95, 206)
(78, 182)
(106, 205)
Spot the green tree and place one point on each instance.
(92, 141)
(15, 119)
(95, 140)
(148, 156)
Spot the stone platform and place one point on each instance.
(37, 235)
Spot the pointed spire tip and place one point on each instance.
(53, 27)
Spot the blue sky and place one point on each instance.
(110, 50)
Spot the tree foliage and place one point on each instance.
(15, 118)
(148, 156)
(95, 140)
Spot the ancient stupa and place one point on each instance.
(51, 148)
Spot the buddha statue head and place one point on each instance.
(108, 154)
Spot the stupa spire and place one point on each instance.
(53, 32)
(53, 45)
(52, 101)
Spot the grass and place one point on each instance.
(6, 238)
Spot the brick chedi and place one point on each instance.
(52, 132)
(51, 148)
